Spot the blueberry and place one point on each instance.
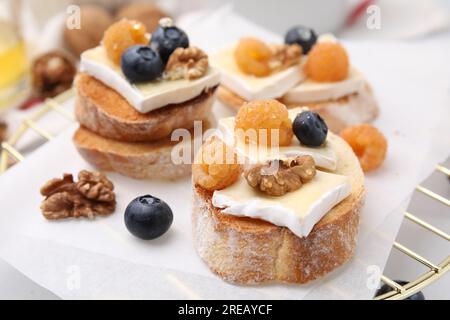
(310, 129)
(166, 39)
(148, 217)
(303, 36)
(385, 289)
(141, 63)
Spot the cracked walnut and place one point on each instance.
(186, 63)
(92, 195)
(278, 177)
(285, 56)
(3, 131)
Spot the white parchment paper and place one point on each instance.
(100, 259)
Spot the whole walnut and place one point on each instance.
(3, 131)
(186, 63)
(94, 21)
(147, 13)
(52, 73)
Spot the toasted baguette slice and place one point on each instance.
(104, 111)
(252, 251)
(139, 160)
(339, 114)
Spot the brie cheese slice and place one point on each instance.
(298, 211)
(148, 96)
(250, 87)
(324, 156)
(312, 91)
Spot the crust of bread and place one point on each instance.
(251, 251)
(360, 107)
(104, 111)
(139, 160)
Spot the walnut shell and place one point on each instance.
(148, 14)
(52, 73)
(94, 21)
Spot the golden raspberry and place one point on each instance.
(266, 115)
(252, 57)
(368, 143)
(122, 35)
(327, 62)
(216, 165)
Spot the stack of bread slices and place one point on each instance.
(114, 136)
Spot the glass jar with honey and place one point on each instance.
(14, 63)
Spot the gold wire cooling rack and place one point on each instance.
(9, 155)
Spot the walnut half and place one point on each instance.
(92, 195)
(3, 131)
(186, 63)
(278, 177)
(285, 56)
